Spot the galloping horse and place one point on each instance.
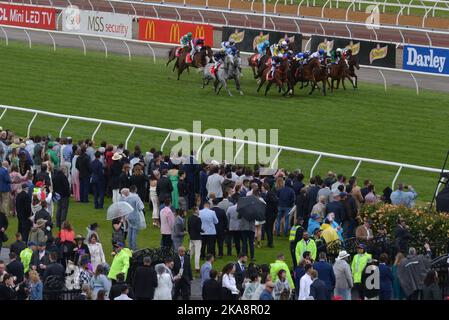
(200, 59)
(339, 72)
(256, 63)
(279, 77)
(353, 63)
(315, 72)
(230, 69)
(295, 75)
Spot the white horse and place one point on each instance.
(230, 69)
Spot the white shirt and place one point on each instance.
(304, 287)
(123, 297)
(229, 282)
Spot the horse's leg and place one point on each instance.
(313, 87)
(324, 88)
(356, 85)
(332, 84)
(225, 85)
(343, 83)
(262, 81)
(237, 85)
(268, 87)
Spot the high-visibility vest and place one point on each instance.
(358, 264)
(292, 235)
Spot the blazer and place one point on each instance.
(97, 171)
(83, 165)
(145, 282)
(187, 272)
(222, 226)
(325, 273)
(61, 184)
(163, 189)
(35, 261)
(211, 290)
(318, 290)
(23, 208)
(194, 227)
(16, 269)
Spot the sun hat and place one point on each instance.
(40, 223)
(117, 156)
(342, 254)
(79, 237)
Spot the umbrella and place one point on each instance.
(251, 208)
(119, 209)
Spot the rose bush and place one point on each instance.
(425, 226)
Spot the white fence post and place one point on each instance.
(96, 130)
(84, 44)
(63, 127)
(416, 83)
(29, 38)
(6, 36)
(396, 177)
(29, 125)
(105, 47)
(314, 165)
(275, 160)
(165, 141)
(3, 113)
(129, 136)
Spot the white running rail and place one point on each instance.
(99, 122)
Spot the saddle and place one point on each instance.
(188, 58)
(213, 70)
(255, 59)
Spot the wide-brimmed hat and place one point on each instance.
(117, 156)
(79, 237)
(176, 161)
(342, 254)
(41, 222)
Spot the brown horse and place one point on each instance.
(295, 75)
(315, 72)
(338, 72)
(256, 63)
(353, 63)
(279, 77)
(200, 59)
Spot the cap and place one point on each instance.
(24, 185)
(361, 246)
(31, 243)
(42, 244)
(119, 244)
(343, 194)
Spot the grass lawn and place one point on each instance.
(397, 125)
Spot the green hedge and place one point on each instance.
(425, 226)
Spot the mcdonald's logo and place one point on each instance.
(174, 33)
(150, 31)
(199, 32)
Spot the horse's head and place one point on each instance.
(354, 61)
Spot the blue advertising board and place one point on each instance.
(426, 59)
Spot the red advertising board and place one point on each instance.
(169, 31)
(28, 16)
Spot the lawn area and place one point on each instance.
(396, 126)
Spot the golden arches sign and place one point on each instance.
(174, 32)
(199, 32)
(150, 31)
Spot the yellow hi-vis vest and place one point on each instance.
(358, 264)
(292, 235)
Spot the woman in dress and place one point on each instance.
(140, 181)
(174, 178)
(96, 251)
(154, 198)
(164, 284)
(99, 282)
(75, 176)
(398, 293)
(228, 282)
(16, 182)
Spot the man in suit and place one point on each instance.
(83, 164)
(208, 222)
(164, 187)
(221, 227)
(61, 186)
(18, 246)
(98, 181)
(325, 273)
(318, 288)
(183, 275)
(23, 208)
(211, 287)
(145, 281)
(15, 267)
(240, 271)
(54, 268)
(364, 233)
(40, 259)
(206, 268)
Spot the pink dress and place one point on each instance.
(75, 180)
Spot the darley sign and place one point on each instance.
(426, 59)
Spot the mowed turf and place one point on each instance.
(396, 126)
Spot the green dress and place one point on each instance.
(174, 194)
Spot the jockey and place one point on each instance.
(186, 40)
(196, 46)
(302, 57)
(347, 54)
(320, 54)
(229, 46)
(219, 58)
(338, 55)
(262, 48)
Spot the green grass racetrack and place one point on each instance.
(396, 126)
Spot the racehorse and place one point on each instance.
(353, 63)
(338, 72)
(295, 75)
(172, 55)
(279, 77)
(230, 69)
(256, 63)
(200, 59)
(315, 72)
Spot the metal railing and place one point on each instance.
(222, 17)
(208, 137)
